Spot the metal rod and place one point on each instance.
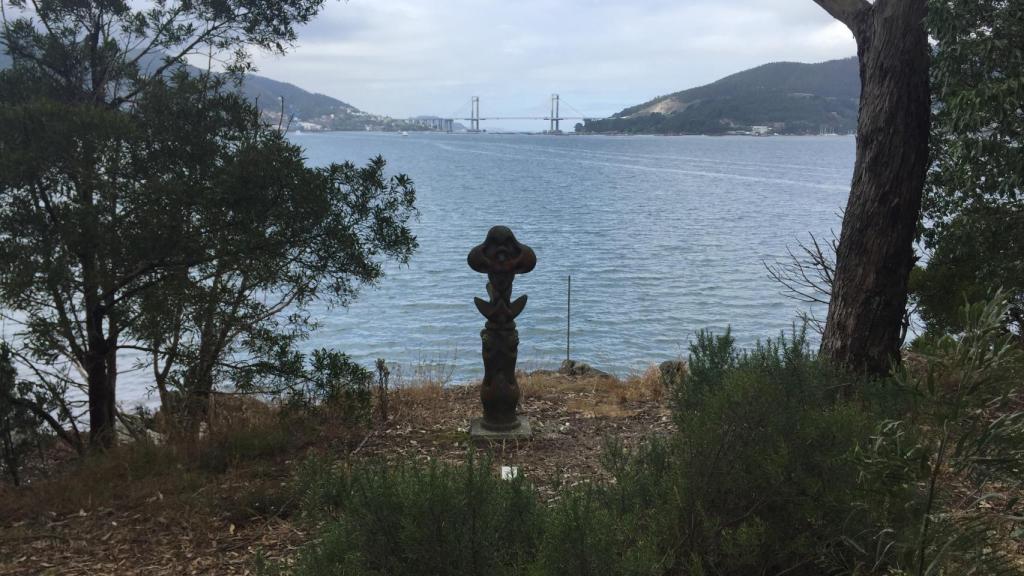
(568, 315)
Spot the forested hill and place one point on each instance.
(311, 110)
(268, 93)
(788, 97)
(304, 109)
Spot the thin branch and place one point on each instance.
(49, 419)
(157, 35)
(207, 35)
(807, 277)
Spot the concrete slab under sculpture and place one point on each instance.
(522, 431)
(501, 257)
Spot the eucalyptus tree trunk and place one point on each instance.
(875, 252)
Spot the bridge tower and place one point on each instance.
(474, 113)
(555, 119)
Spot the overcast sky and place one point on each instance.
(412, 57)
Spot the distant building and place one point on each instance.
(760, 130)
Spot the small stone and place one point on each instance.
(574, 368)
(672, 372)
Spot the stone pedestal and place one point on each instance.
(521, 431)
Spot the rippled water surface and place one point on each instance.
(662, 236)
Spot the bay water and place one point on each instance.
(662, 236)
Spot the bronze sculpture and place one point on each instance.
(501, 257)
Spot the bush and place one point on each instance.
(336, 385)
(439, 520)
(18, 426)
(248, 437)
(761, 462)
(226, 450)
(781, 465)
(976, 254)
(940, 486)
(710, 357)
(616, 528)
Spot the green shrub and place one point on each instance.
(780, 465)
(710, 357)
(940, 486)
(228, 446)
(17, 426)
(762, 463)
(435, 520)
(334, 385)
(614, 528)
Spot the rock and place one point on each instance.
(576, 369)
(127, 436)
(155, 437)
(543, 372)
(672, 372)
(565, 428)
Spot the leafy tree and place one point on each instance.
(875, 253)
(295, 235)
(975, 254)
(143, 207)
(107, 51)
(15, 421)
(974, 210)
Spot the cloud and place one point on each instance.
(404, 58)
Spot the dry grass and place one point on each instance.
(210, 507)
(647, 385)
(612, 397)
(570, 417)
(603, 395)
(177, 508)
(229, 411)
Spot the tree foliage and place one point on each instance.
(107, 51)
(144, 206)
(973, 209)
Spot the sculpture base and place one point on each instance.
(521, 432)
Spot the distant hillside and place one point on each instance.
(268, 93)
(305, 110)
(788, 97)
(312, 111)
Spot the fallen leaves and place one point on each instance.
(190, 529)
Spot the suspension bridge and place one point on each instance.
(554, 117)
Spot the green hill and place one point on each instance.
(315, 111)
(268, 92)
(788, 97)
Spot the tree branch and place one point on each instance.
(848, 12)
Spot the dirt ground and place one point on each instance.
(159, 517)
